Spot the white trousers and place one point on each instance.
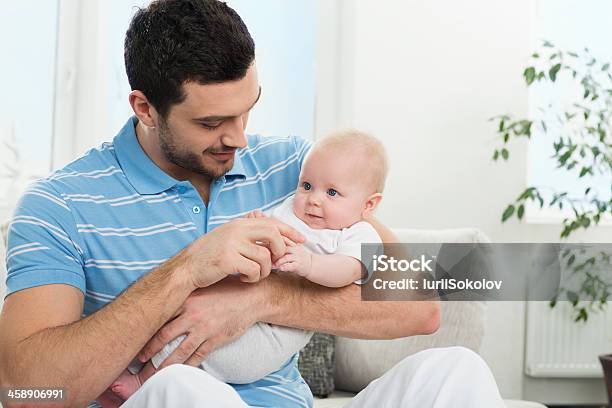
(443, 377)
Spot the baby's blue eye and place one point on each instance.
(332, 192)
(306, 185)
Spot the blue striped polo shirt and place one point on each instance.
(109, 217)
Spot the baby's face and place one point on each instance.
(331, 193)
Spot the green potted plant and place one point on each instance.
(580, 133)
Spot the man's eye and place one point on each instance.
(210, 126)
(332, 192)
(306, 185)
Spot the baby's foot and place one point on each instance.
(126, 384)
(109, 399)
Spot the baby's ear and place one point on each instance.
(371, 204)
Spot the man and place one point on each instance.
(131, 245)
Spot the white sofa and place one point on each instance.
(360, 361)
(462, 323)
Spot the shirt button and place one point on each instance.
(196, 209)
(181, 189)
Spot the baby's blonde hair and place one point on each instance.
(370, 146)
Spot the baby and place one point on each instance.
(340, 185)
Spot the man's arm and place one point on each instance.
(340, 311)
(300, 303)
(43, 342)
(213, 318)
(296, 302)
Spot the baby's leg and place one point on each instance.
(128, 383)
(261, 350)
(108, 399)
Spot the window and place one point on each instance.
(28, 30)
(571, 26)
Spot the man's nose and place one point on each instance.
(234, 135)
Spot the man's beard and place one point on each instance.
(185, 159)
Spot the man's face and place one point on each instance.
(202, 133)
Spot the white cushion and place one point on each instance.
(358, 362)
(339, 399)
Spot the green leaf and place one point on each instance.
(547, 44)
(508, 213)
(520, 212)
(535, 55)
(572, 297)
(526, 194)
(571, 260)
(584, 171)
(552, 73)
(496, 155)
(505, 154)
(605, 66)
(529, 75)
(582, 315)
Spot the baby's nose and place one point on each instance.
(313, 199)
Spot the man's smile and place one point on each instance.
(224, 155)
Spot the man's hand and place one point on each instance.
(245, 247)
(297, 260)
(210, 317)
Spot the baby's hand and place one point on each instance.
(255, 214)
(297, 260)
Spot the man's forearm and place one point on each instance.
(296, 302)
(63, 356)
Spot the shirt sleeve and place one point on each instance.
(302, 147)
(351, 240)
(42, 246)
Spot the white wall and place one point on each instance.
(425, 77)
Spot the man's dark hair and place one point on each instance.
(176, 41)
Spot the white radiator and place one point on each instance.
(559, 347)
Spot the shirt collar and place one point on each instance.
(237, 169)
(142, 173)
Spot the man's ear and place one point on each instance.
(371, 204)
(144, 111)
